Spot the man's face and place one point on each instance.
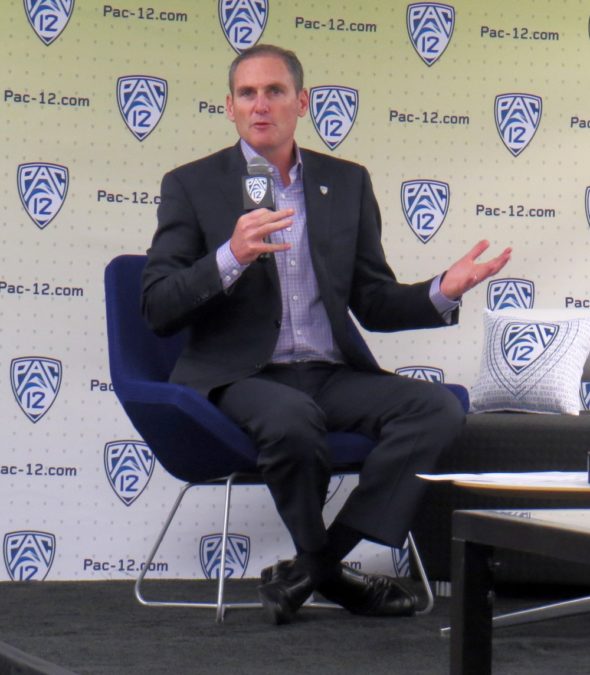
(265, 106)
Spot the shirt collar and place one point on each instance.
(294, 172)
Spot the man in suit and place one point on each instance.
(266, 296)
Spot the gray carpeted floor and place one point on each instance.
(98, 628)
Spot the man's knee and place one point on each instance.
(298, 433)
(451, 412)
(439, 410)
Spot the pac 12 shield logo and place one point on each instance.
(28, 555)
(48, 18)
(35, 383)
(42, 188)
(524, 343)
(333, 112)
(142, 100)
(511, 293)
(585, 394)
(517, 119)
(334, 486)
(425, 373)
(430, 27)
(257, 187)
(129, 465)
(425, 204)
(243, 21)
(401, 560)
(236, 562)
(587, 204)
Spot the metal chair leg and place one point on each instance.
(422, 573)
(220, 605)
(146, 565)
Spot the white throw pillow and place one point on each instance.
(531, 362)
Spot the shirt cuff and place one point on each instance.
(443, 305)
(229, 268)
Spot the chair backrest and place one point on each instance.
(135, 352)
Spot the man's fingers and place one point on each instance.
(478, 249)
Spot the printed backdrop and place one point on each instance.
(473, 119)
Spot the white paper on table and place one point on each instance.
(554, 479)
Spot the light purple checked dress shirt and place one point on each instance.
(305, 333)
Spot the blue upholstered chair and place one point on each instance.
(190, 437)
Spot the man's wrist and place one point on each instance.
(228, 266)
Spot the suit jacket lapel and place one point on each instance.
(318, 203)
(232, 169)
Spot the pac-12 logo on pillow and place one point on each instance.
(333, 112)
(48, 19)
(243, 21)
(129, 465)
(28, 555)
(524, 343)
(425, 204)
(237, 556)
(430, 27)
(141, 101)
(511, 294)
(517, 119)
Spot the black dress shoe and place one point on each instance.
(369, 594)
(365, 594)
(283, 594)
(276, 571)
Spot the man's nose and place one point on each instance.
(261, 104)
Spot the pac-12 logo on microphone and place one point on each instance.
(35, 383)
(425, 204)
(237, 555)
(517, 119)
(243, 21)
(426, 373)
(524, 343)
(511, 293)
(141, 101)
(48, 18)
(430, 27)
(257, 187)
(129, 465)
(333, 112)
(28, 555)
(42, 188)
(585, 394)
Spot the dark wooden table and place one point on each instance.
(562, 534)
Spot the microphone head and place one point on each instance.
(258, 166)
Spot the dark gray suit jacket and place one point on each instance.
(233, 334)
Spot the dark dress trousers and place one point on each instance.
(232, 334)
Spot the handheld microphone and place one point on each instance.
(258, 190)
(258, 187)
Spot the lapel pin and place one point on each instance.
(324, 189)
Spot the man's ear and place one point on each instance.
(229, 107)
(303, 102)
